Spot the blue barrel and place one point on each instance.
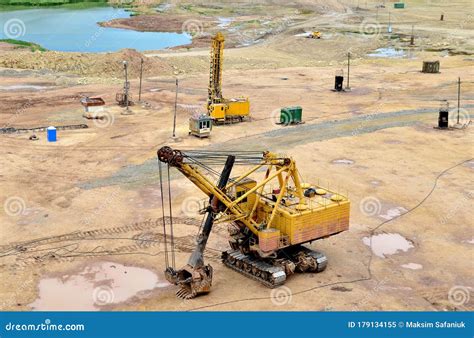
(51, 132)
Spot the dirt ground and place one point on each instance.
(92, 200)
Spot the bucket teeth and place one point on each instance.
(184, 293)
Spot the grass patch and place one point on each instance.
(24, 44)
(11, 5)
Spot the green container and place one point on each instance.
(291, 115)
(399, 5)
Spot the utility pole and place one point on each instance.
(348, 69)
(389, 29)
(412, 39)
(175, 106)
(140, 86)
(127, 85)
(459, 95)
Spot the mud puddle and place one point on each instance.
(383, 245)
(24, 87)
(224, 22)
(393, 213)
(95, 286)
(387, 53)
(412, 266)
(343, 161)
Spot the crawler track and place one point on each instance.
(267, 274)
(270, 272)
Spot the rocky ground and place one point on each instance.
(80, 214)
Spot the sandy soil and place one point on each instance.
(94, 196)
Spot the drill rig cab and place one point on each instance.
(269, 215)
(222, 110)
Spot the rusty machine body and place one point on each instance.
(269, 218)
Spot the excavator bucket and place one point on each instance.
(192, 282)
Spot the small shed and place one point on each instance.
(430, 67)
(200, 125)
(92, 104)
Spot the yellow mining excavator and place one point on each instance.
(219, 108)
(314, 35)
(270, 215)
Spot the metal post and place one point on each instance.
(412, 40)
(348, 69)
(125, 68)
(175, 106)
(140, 86)
(459, 95)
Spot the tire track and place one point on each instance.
(67, 247)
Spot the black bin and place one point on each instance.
(338, 83)
(443, 119)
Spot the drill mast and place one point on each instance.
(215, 73)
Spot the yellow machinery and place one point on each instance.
(314, 35)
(269, 217)
(219, 108)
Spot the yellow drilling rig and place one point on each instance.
(269, 217)
(219, 108)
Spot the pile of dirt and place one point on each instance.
(161, 23)
(86, 64)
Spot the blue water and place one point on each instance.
(71, 30)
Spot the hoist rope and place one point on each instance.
(163, 213)
(171, 221)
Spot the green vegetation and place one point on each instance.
(9, 5)
(24, 44)
(306, 11)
